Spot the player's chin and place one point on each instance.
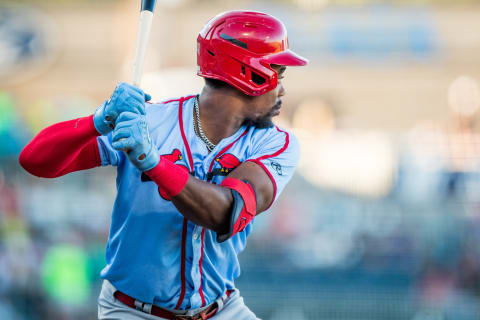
(263, 122)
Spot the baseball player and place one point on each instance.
(192, 173)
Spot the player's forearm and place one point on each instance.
(62, 148)
(205, 204)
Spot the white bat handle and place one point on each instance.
(141, 48)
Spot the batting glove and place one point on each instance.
(126, 97)
(131, 135)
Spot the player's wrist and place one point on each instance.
(147, 161)
(102, 122)
(169, 177)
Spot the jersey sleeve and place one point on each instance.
(278, 155)
(108, 155)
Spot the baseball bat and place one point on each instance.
(146, 16)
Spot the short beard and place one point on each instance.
(260, 123)
(265, 121)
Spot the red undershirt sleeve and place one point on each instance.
(62, 148)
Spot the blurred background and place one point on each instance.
(381, 220)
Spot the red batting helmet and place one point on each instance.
(239, 47)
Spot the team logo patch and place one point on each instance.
(228, 162)
(277, 167)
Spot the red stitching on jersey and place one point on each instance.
(172, 100)
(258, 161)
(285, 146)
(182, 268)
(225, 150)
(182, 131)
(200, 270)
(271, 178)
(203, 231)
(184, 231)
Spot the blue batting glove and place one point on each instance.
(126, 97)
(131, 135)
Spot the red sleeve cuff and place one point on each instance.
(169, 177)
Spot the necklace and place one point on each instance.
(210, 146)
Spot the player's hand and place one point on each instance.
(126, 97)
(131, 135)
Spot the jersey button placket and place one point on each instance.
(195, 300)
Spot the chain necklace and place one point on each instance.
(210, 146)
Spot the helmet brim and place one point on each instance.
(286, 58)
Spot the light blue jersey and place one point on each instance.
(153, 253)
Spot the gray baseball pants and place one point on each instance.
(109, 308)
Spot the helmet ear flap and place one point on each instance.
(258, 79)
(253, 76)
